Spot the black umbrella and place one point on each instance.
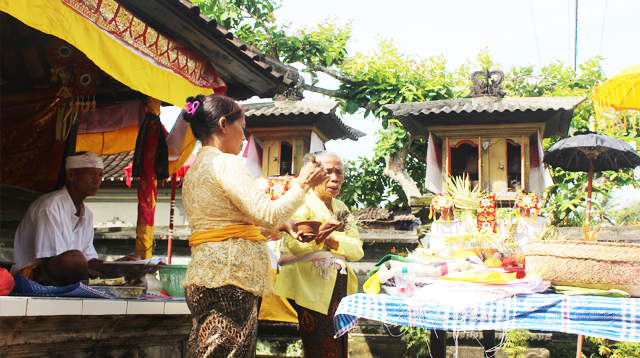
(590, 151)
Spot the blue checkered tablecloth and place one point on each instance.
(603, 317)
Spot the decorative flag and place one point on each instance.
(487, 213)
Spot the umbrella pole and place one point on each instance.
(174, 178)
(589, 189)
(586, 223)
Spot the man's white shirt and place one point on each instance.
(50, 227)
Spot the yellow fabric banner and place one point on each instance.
(276, 308)
(486, 278)
(111, 56)
(138, 73)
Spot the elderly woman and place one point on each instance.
(229, 216)
(315, 275)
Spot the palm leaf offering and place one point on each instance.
(465, 199)
(589, 234)
(477, 241)
(550, 232)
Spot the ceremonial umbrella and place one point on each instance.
(620, 92)
(590, 151)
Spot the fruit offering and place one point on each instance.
(493, 262)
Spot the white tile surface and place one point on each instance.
(104, 307)
(13, 306)
(53, 307)
(145, 307)
(176, 307)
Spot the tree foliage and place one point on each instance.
(386, 76)
(566, 199)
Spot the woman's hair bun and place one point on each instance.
(198, 115)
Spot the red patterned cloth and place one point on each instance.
(317, 329)
(31, 156)
(487, 213)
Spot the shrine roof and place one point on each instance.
(246, 70)
(382, 215)
(322, 114)
(556, 112)
(114, 165)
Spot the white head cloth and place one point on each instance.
(85, 160)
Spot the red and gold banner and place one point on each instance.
(31, 156)
(486, 213)
(135, 67)
(111, 17)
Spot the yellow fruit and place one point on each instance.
(460, 254)
(493, 262)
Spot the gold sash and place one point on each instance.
(247, 232)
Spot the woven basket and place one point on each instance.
(603, 265)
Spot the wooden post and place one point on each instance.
(174, 178)
(448, 157)
(438, 342)
(480, 163)
(522, 164)
(488, 341)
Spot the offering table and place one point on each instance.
(603, 317)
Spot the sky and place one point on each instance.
(516, 32)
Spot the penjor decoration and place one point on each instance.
(487, 213)
(443, 204)
(526, 204)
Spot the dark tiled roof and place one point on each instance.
(369, 215)
(555, 111)
(245, 69)
(322, 114)
(114, 165)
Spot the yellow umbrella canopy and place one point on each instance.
(620, 92)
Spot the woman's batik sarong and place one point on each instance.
(225, 322)
(316, 329)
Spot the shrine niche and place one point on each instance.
(496, 141)
(283, 131)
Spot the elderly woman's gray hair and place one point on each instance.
(321, 154)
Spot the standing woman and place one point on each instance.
(315, 275)
(229, 217)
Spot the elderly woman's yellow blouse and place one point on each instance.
(300, 281)
(219, 191)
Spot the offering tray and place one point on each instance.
(121, 291)
(131, 270)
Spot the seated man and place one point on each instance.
(54, 241)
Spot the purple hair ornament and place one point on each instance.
(192, 106)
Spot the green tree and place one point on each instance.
(630, 214)
(565, 201)
(386, 76)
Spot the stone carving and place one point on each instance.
(489, 86)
